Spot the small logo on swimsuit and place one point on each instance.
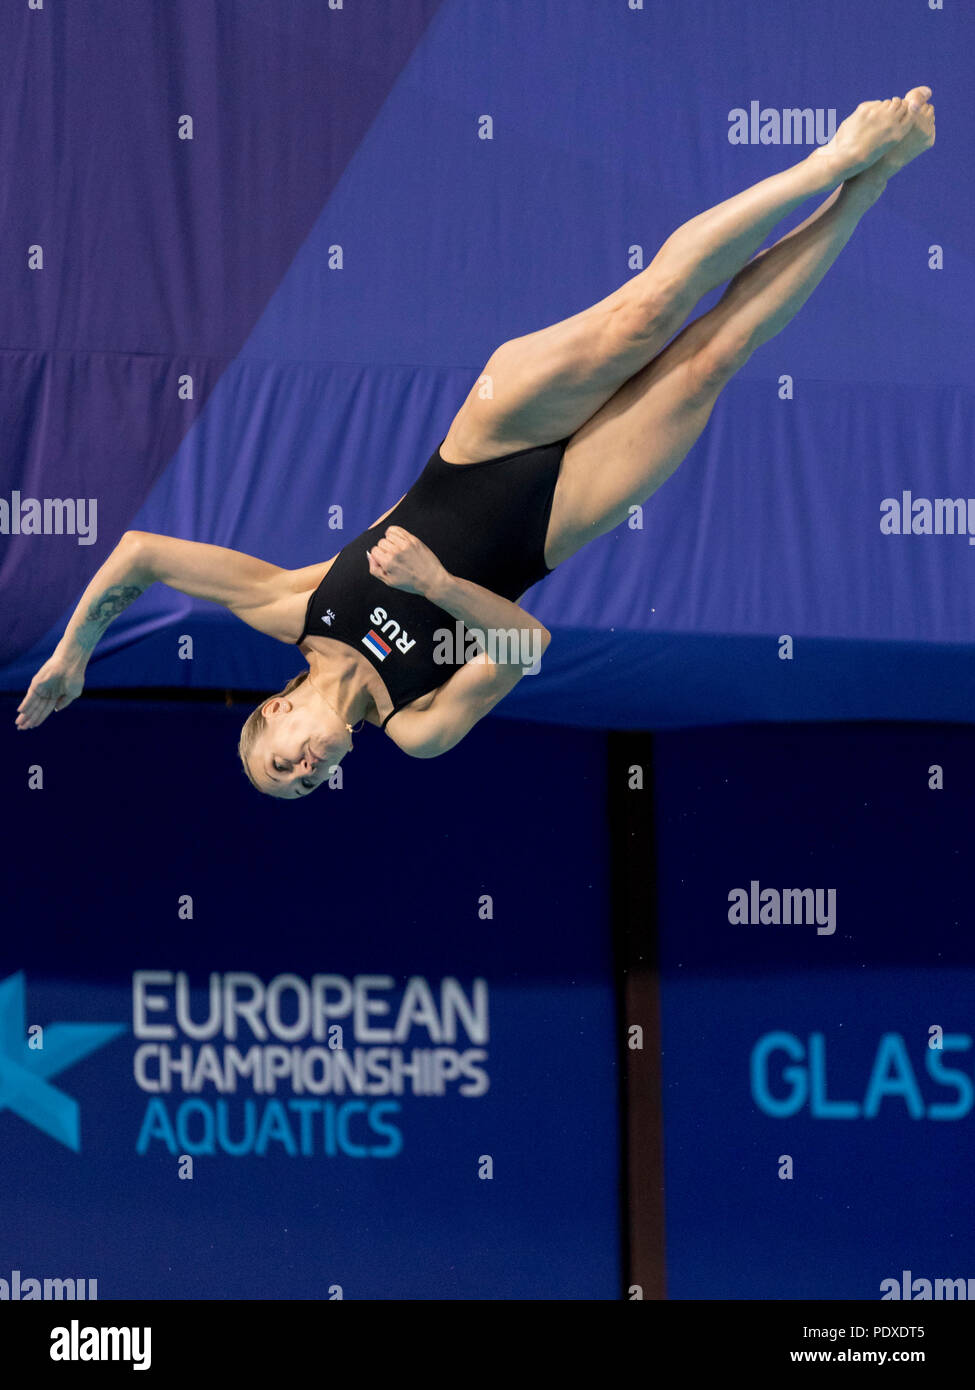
(327, 617)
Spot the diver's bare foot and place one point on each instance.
(918, 138)
(865, 136)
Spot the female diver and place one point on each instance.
(500, 505)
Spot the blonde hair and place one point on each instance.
(255, 725)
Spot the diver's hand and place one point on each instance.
(402, 561)
(56, 684)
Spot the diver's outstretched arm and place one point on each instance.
(62, 677)
(260, 594)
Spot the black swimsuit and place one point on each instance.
(485, 522)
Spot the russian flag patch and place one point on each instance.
(376, 645)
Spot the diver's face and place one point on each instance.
(302, 743)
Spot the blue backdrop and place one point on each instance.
(387, 879)
(788, 1040)
(235, 331)
(254, 254)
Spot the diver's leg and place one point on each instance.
(546, 385)
(637, 439)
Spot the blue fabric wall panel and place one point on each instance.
(159, 252)
(610, 126)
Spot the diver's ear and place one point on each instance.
(279, 705)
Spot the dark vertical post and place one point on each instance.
(634, 909)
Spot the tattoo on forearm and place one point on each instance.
(106, 607)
